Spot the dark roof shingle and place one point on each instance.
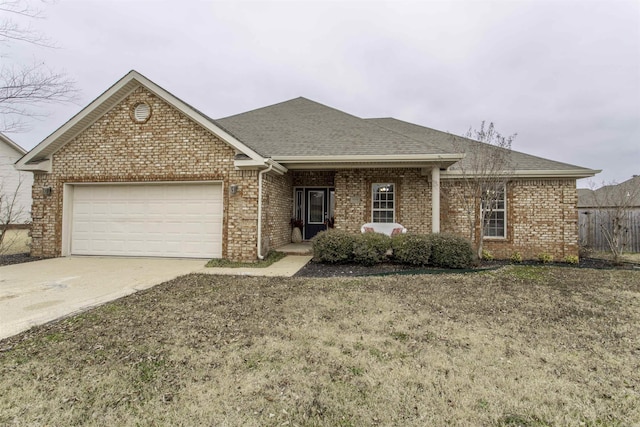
(301, 127)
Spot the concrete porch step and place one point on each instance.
(303, 248)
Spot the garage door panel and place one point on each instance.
(183, 220)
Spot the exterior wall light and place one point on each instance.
(233, 189)
(46, 191)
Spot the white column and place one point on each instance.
(435, 199)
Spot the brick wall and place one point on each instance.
(167, 147)
(277, 206)
(541, 217)
(313, 178)
(541, 213)
(353, 198)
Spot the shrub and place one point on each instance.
(545, 258)
(516, 258)
(571, 259)
(413, 249)
(450, 251)
(333, 246)
(370, 248)
(486, 255)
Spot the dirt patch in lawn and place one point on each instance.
(519, 345)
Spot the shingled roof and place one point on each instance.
(453, 143)
(301, 127)
(611, 195)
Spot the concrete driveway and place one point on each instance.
(37, 292)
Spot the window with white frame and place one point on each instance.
(496, 223)
(383, 207)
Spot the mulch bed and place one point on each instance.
(316, 269)
(17, 259)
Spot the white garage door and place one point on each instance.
(163, 220)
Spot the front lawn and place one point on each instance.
(517, 346)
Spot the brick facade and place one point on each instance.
(541, 217)
(353, 197)
(541, 213)
(277, 206)
(313, 178)
(167, 147)
(170, 147)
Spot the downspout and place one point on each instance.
(260, 255)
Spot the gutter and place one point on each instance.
(262, 172)
(569, 173)
(369, 158)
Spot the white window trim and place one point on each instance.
(504, 199)
(395, 191)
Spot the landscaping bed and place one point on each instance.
(17, 259)
(318, 269)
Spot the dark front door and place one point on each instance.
(316, 211)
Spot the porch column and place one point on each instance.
(435, 199)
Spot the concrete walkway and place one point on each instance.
(38, 292)
(286, 267)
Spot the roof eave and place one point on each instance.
(43, 165)
(250, 164)
(369, 161)
(568, 173)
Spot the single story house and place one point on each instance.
(15, 186)
(138, 172)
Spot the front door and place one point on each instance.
(316, 211)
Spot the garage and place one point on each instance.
(151, 220)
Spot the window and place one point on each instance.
(383, 206)
(496, 223)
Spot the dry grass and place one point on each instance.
(519, 346)
(632, 257)
(16, 241)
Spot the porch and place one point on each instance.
(348, 198)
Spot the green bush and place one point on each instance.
(413, 249)
(571, 259)
(516, 258)
(486, 255)
(545, 257)
(333, 246)
(370, 248)
(450, 251)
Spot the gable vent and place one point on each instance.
(141, 112)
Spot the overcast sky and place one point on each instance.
(564, 75)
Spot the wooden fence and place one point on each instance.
(591, 235)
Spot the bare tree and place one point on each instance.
(25, 88)
(12, 212)
(615, 204)
(485, 172)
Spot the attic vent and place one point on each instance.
(141, 112)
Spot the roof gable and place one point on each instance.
(39, 157)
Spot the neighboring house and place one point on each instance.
(15, 186)
(138, 172)
(597, 209)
